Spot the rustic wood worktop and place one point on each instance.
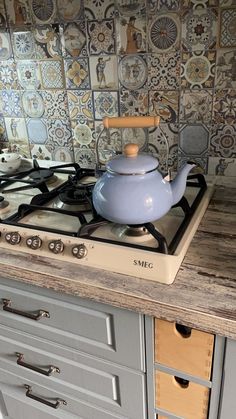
(202, 296)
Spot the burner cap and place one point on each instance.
(73, 196)
(3, 203)
(41, 174)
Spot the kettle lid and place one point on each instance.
(132, 163)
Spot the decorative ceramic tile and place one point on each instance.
(33, 104)
(200, 3)
(193, 140)
(8, 75)
(16, 129)
(135, 135)
(40, 152)
(198, 69)
(225, 69)
(3, 19)
(105, 104)
(101, 37)
(224, 107)
(228, 28)
(18, 12)
(37, 130)
(3, 133)
(62, 154)
(134, 102)
(132, 35)
(83, 134)
(59, 133)
(105, 10)
(11, 103)
(77, 74)
(196, 106)
(223, 141)
(199, 28)
(20, 146)
(132, 71)
(23, 44)
(28, 74)
(162, 139)
(103, 72)
(165, 104)
(226, 3)
(164, 71)
(43, 11)
(80, 104)
(56, 104)
(85, 157)
(52, 74)
(164, 32)
(201, 163)
(5, 46)
(70, 10)
(73, 39)
(155, 6)
(130, 7)
(109, 143)
(47, 42)
(222, 167)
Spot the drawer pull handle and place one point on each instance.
(51, 369)
(55, 405)
(184, 331)
(33, 316)
(181, 382)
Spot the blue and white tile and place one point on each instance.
(105, 104)
(40, 152)
(5, 45)
(37, 130)
(194, 140)
(133, 102)
(33, 104)
(223, 141)
(56, 104)
(198, 69)
(85, 157)
(101, 37)
(164, 33)
(196, 106)
(155, 6)
(164, 71)
(73, 39)
(16, 129)
(107, 145)
(163, 145)
(59, 133)
(222, 167)
(62, 154)
(102, 9)
(227, 28)
(43, 12)
(8, 75)
(226, 69)
(103, 72)
(77, 74)
(83, 133)
(199, 28)
(28, 74)
(224, 107)
(52, 76)
(11, 103)
(3, 132)
(23, 44)
(70, 10)
(20, 146)
(80, 104)
(164, 103)
(133, 72)
(47, 42)
(130, 8)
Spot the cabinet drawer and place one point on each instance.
(16, 405)
(181, 397)
(96, 329)
(106, 385)
(187, 350)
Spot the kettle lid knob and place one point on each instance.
(131, 150)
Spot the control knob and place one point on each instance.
(34, 242)
(56, 246)
(79, 251)
(13, 237)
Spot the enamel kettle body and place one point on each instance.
(132, 191)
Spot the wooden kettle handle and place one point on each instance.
(131, 122)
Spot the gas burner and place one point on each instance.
(41, 175)
(4, 205)
(74, 198)
(130, 231)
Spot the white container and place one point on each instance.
(9, 162)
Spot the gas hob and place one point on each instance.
(49, 212)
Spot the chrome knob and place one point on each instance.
(13, 237)
(34, 242)
(56, 246)
(79, 251)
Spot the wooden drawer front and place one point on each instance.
(191, 401)
(16, 405)
(93, 328)
(190, 353)
(104, 384)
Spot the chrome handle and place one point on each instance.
(55, 405)
(51, 369)
(36, 316)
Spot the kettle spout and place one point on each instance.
(178, 185)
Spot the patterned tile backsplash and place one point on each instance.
(65, 64)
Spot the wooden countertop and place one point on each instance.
(203, 294)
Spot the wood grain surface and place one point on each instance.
(203, 294)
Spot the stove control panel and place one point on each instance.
(13, 237)
(56, 246)
(34, 242)
(79, 251)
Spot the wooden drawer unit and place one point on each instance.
(86, 378)
(181, 397)
(184, 349)
(96, 329)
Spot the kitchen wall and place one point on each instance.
(65, 64)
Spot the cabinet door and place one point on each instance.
(228, 400)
